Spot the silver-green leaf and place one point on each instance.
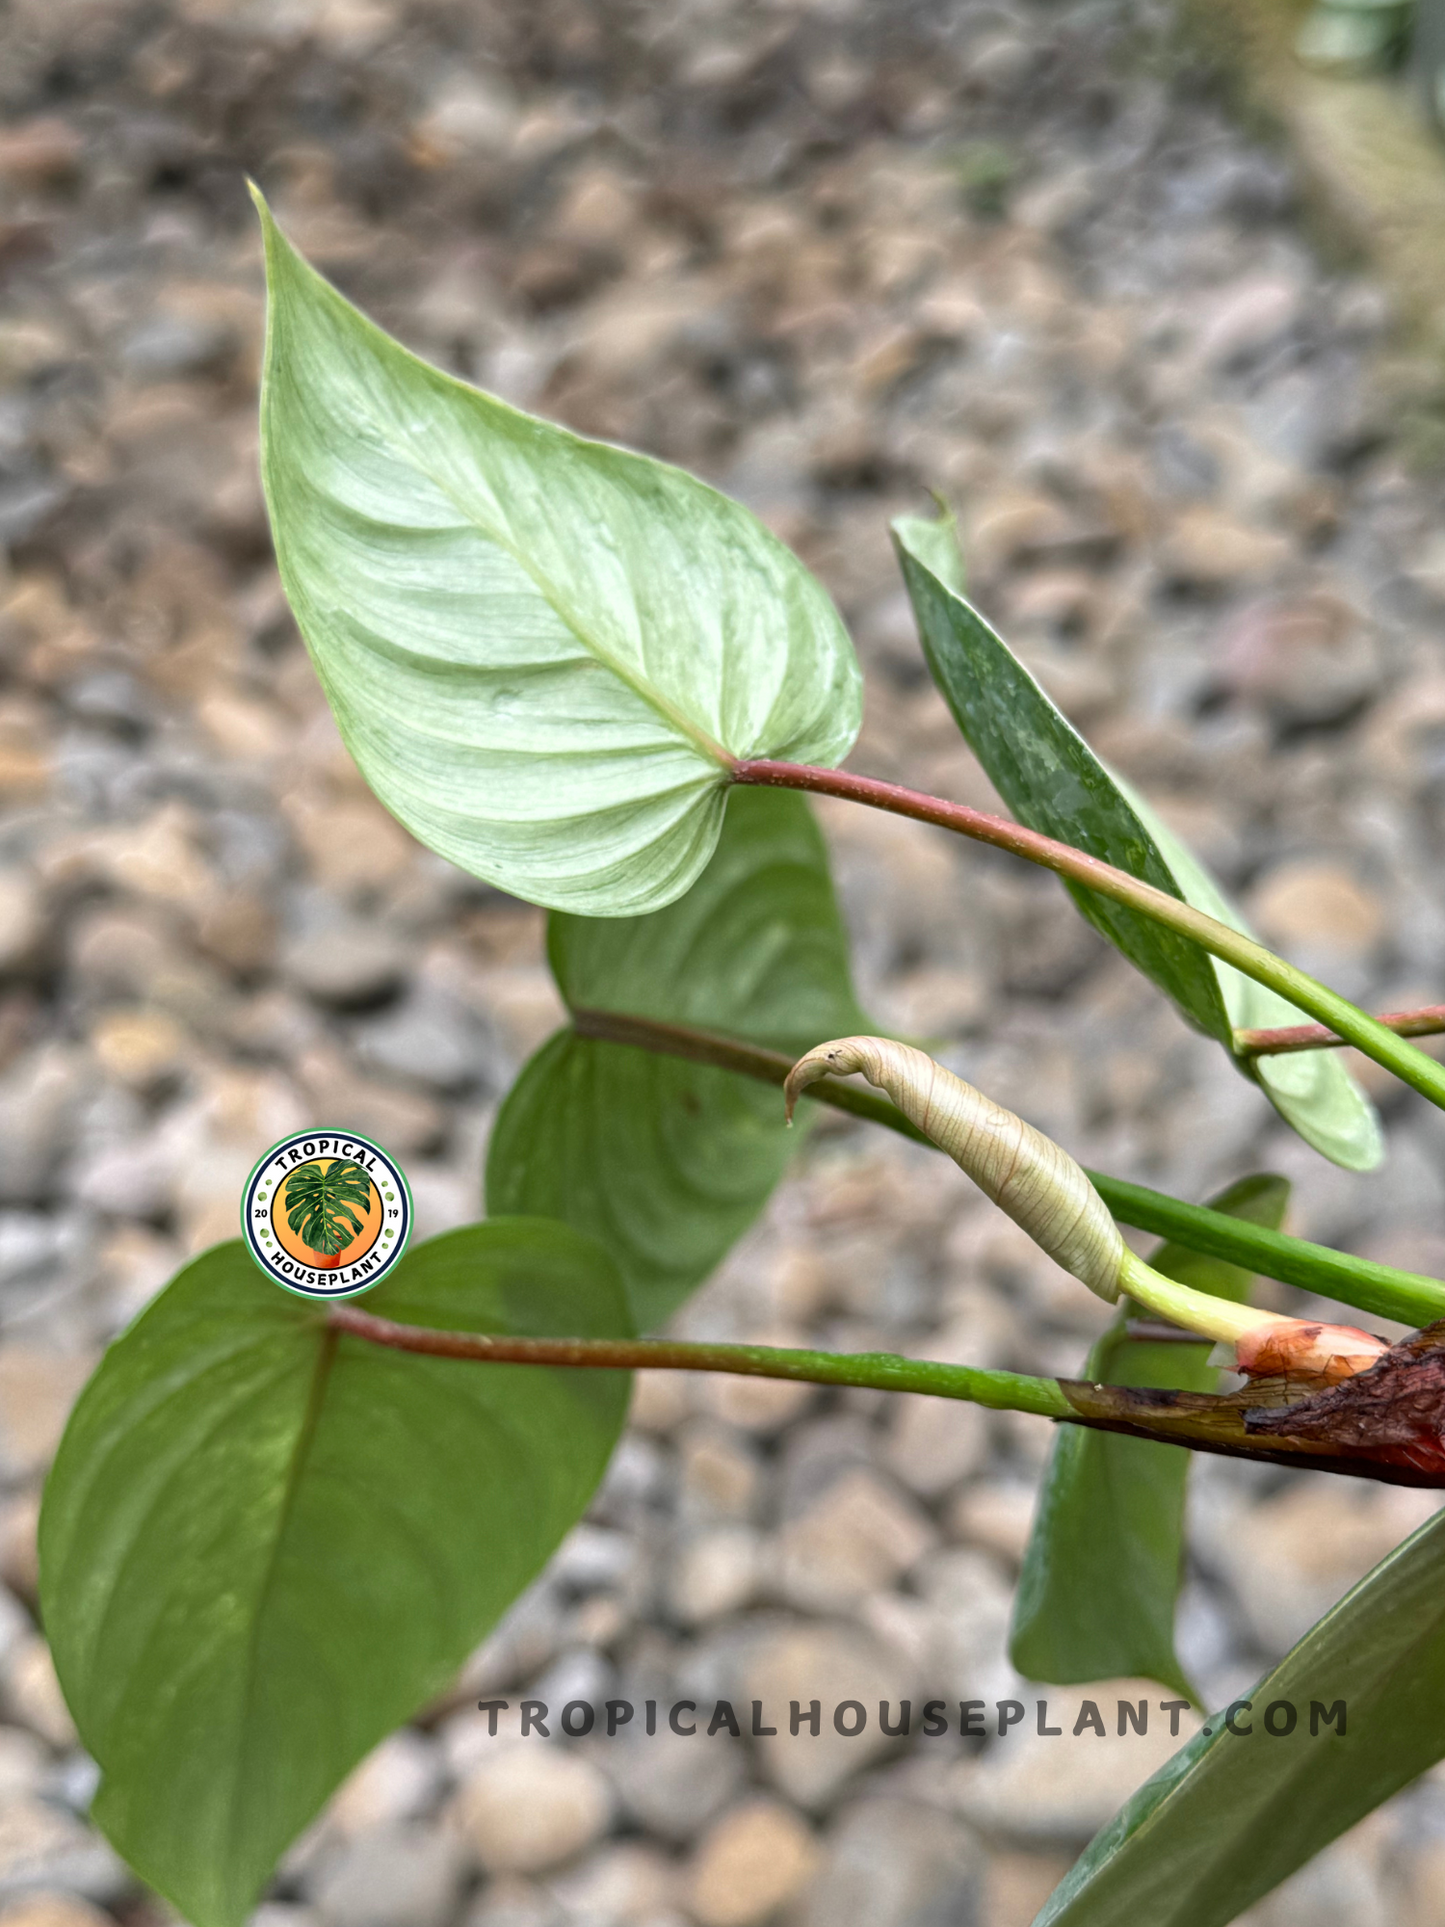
(543, 652)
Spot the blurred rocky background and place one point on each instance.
(831, 255)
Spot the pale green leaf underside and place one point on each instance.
(668, 1162)
(1230, 1816)
(1100, 1577)
(541, 650)
(1053, 781)
(262, 1548)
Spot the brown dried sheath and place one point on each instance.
(1387, 1423)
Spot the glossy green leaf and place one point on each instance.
(542, 651)
(1231, 1815)
(668, 1162)
(264, 1545)
(1100, 1576)
(1053, 781)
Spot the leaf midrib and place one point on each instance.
(329, 1339)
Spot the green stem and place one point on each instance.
(1196, 1311)
(881, 1371)
(1338, 1015)
(1197, 1421)
(1409, 1296)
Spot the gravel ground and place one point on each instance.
(830, 256)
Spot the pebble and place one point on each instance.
(964, 1633)
(751, 1862)
(859, 1536)
(24, 1763)
(933, 1443)
(22, 920)
(532, 1806)
(721, 1475)
(140, 1048)
(19, 1566)
(716, 1573)
(1205, 549)
(1247, 318)
(829, 1663)
(280, 1913)
(40, 151)
(1016, 1885)
(511, 1902)
(37, 1390)
(761, 1405)
(427, 1038)
(33, 1697)
(1307, 660)
(891, 1862)
(1290, 1557)
(338, 959)
(1057, 1791)
(157, 858)
(43, 1847)
(40, 1095)
(398, 1780)
(1319, 906)
(624, 1883)
(394, 1874)
(52, 1910)
(673, 1786)
(15, 1626)
(994, 1514)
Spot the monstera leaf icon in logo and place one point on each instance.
(320, 1202)
(326, 1213)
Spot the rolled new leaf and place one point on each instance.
(1025, 1173)
(1042, 1189)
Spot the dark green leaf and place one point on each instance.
(542, 651)
(1096, 1594)
(1053, 781)
(263, 1546)
(1230, 1816)
(665, 1161)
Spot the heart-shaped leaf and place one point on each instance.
(668, 1162)
(1233, 1814)
(1096, 1594)
(263, 1544)
(543, 652)
(1053, 782)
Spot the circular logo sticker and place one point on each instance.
(326, 1213)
